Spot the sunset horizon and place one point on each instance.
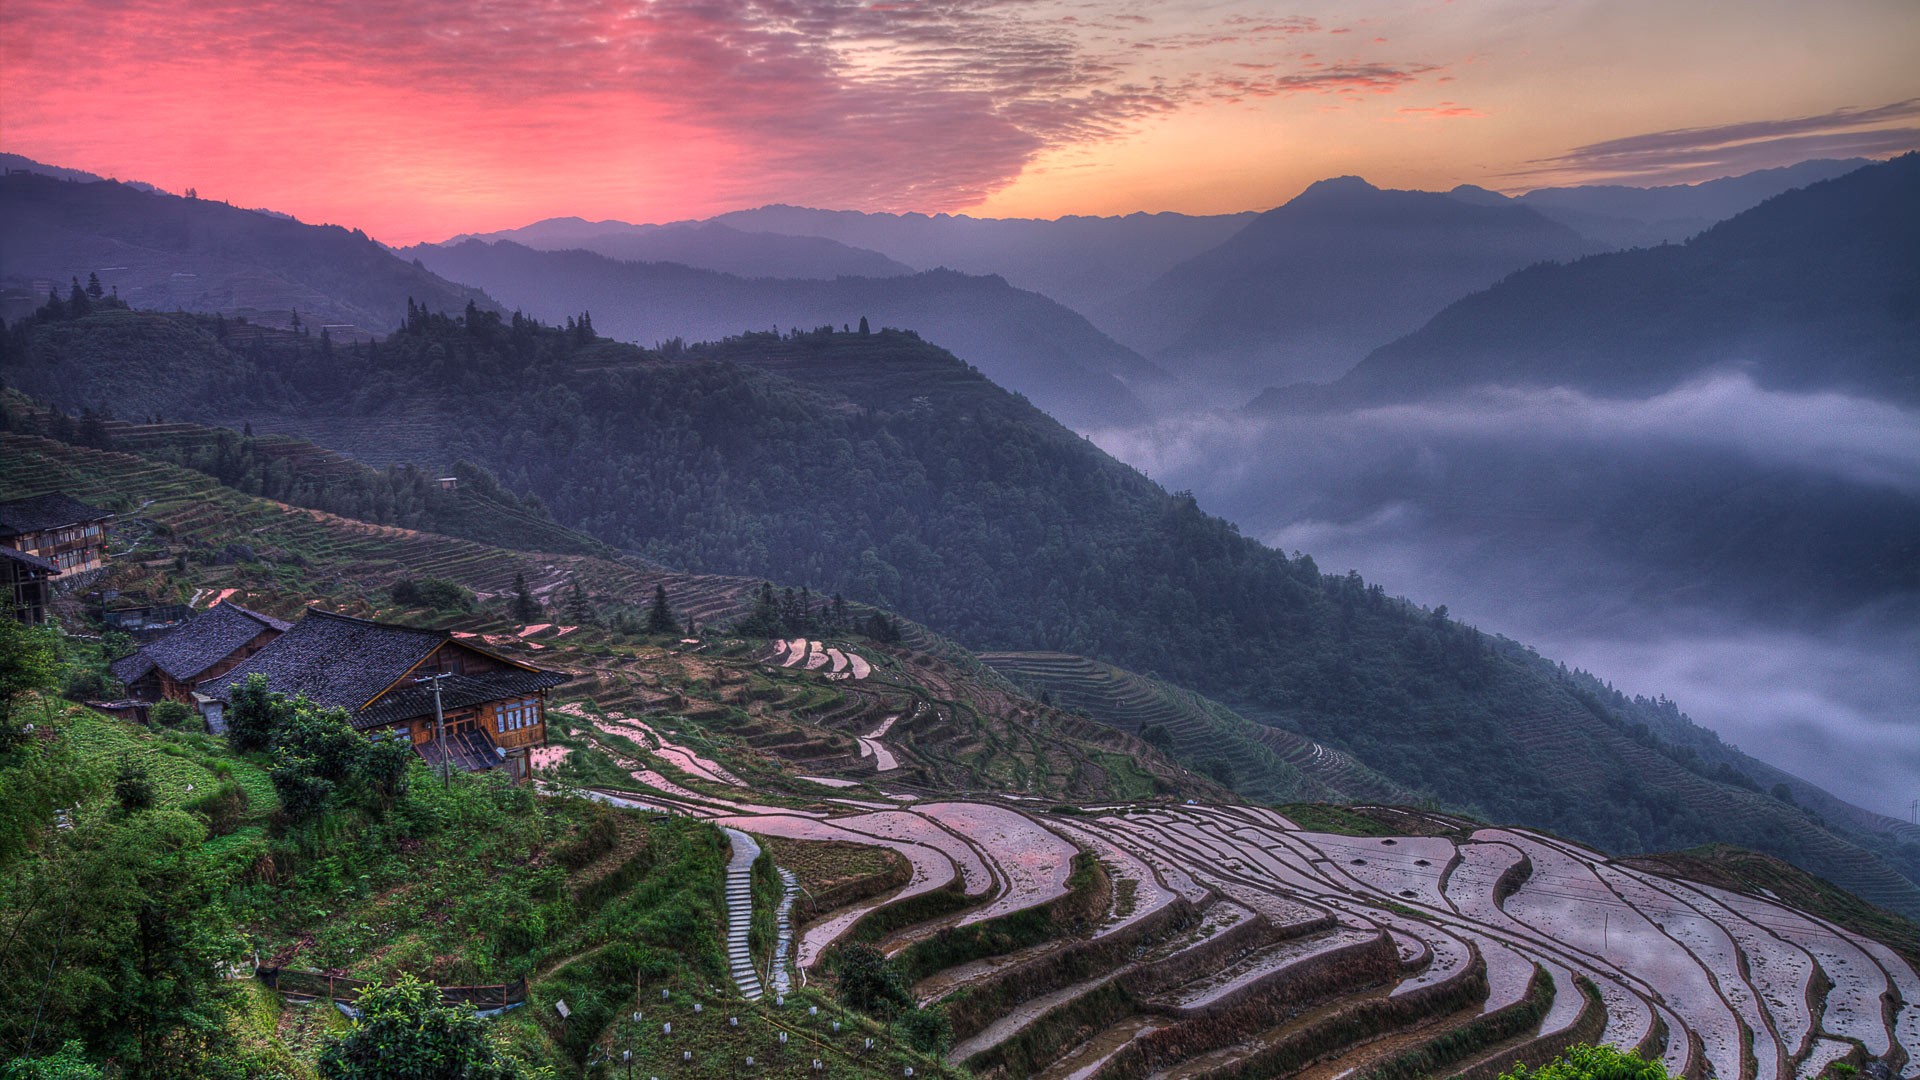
(460, 119)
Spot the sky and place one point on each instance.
(423, 120)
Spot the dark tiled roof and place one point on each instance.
(50, 511)
(470, 751)
(203, 642)
(337, 661)
(27, 559)
(456, 692)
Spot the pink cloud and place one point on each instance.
(496, 111)
(1446, 110)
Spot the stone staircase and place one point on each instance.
(740, 914)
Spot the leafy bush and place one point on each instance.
(406, 1031)
(132, 788)
(1585, 1062)
(224, 808)
(869, 982)
(170, 714)
(928, 1030)
(317, 755)
(67, 1063)
(431, 592)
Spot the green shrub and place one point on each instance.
(928, 1030)
(1585, 1062)
(68, 1063)
(225, 808)
(171, 714)
(869, 982)
(404, 1031)
(601, 834)
(430, 592)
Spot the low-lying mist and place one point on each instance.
(1753, 555)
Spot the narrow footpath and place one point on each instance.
(783, 933)
(740, 914)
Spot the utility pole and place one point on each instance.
(439, 727)
(1913, 808)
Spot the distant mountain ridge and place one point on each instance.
(1020, 339)
(15, 163)
(1623, 216)
(1309, 288)
(1814, 289)
(703, 245)
(1079, 261)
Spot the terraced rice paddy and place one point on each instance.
(871, 746)
(1032, 860)
(1237, 913)
(1228, 934)
(808, 655)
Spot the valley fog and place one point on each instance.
(1596, 531)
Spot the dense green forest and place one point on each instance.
(879, 467)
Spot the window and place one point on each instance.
(514, 715)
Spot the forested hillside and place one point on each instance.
(1021, 340)
(164, 251)
(882, 468)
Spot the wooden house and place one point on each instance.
(495, 708)
(27, 581)
(204, 648)
(61, 530)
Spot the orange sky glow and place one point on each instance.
(439, 117)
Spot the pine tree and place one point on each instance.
(863, 326)
(579, 608)
(525, 608)
(93, 286)
(660, 617)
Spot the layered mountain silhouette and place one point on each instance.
(1083, 262)
(1624, 217)
(1309, 288)
(704, 245)
(1020, 339)
(164, 251)
(1815, 289)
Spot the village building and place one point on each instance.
(494, 708)
(63, 531)
(28, 584)
(204, 648)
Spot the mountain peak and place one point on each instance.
(1335, 187)
(1477, 195)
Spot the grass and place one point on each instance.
(833, 873)
(720, 1048)
(183, 767)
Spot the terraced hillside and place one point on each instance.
(1123, 940)
(474, 507)
(182, 537)
(1259, 760)
(881, 468)
(168, 509)
(1072, 903)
